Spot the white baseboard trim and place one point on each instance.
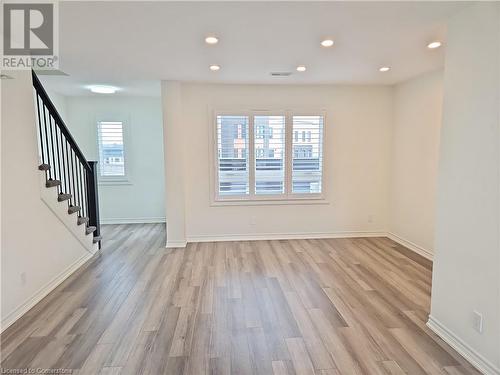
(299, 235)
(412, 246)
(174, 244)
(43, 292)
(133, 220)
(282, 236)
(473, 357)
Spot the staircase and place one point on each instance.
(65, 167)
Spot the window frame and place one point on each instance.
(288, 197)
(114, 180)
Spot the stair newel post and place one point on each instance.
(93, 199)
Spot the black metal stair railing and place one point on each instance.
(66, 167)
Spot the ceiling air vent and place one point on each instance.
(51, 72)
(281, 74)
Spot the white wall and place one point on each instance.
(466, 274)
(35, 243)
(59, 101)
(415, 148)
(356, 162)
(141, 200)
(173, 133)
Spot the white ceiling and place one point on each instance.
(133, 45)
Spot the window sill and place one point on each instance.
(269, 202)
(114, 182)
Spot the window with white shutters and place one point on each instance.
(111, 150)
(232, 163)
(307, 165)
(269, 156)
(269, 146)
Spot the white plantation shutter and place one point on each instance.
(307, 158)
(269, 146)
(111, 150)
(232, 155)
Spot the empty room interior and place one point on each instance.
(250, 187)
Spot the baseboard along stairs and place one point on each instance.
(61, 205)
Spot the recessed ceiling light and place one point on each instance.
(433, 45)
(214, 68)
(327, 43)
(301, 68)
(385, 69)
(211, 40)
(103, 89)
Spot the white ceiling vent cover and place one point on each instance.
(281, 74)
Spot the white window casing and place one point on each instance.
(112, 153)
(269, 170)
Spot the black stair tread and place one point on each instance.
(90, 230)
(97, 239)
(52, 183)
(63, 197)
(44, 167)
(82, 220)
(73, 209)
